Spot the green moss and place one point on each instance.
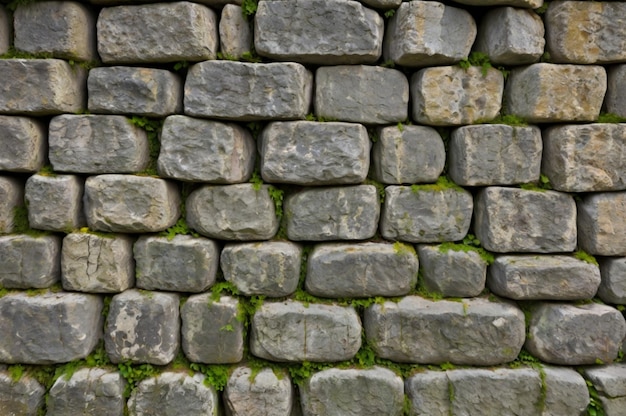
(153, 128)
(610, 118)
(541, 186)
(508, 119)
(134, 374)
(465, 247)
(380, 188)
(594, 408)
(477, 59)
(401, 248)
(586, 257)
(249, 8)
(442, 184)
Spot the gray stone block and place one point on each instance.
(248, 91)
(130, 204)
(318, 32)
(23, 141)
(269, 268)
(529, 4)
(55, 203)
(310, 153)
(233, 212)
(451, 95)
(615, 98)
(418, 34)
(50, 328)
(519, 220)
(142, 327)
(613, 285)
(338, 213)
(11, 200)
(613, 407)
(566, 392)
(5, 30)
(609, 380)
(471, 332)
(495, 154)
(293, 331)
(22, 397)
(602, 223)
(235, 32)
(567, 334)
(29, 262)
(361, 270)
(429, 214)
(259, 393)
(179, 264)
(361, 94)
(428, 393)
(137, 34)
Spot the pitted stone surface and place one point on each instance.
(613, 286)
(5, 31)
(29, 262)
(55, 203)
(602, 223)
(22, 397)
(318, 31)
(530, 4)
(235, 32)
(428, 392)
(615, 98)
(23, 141)
(267, 392)
(609, 380)
(11, 200)
(566, 392)
(310, 153)
(293, 331)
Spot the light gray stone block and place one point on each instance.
(602, 223)
(566, 392)
(311, 153)
(529, 4)
(259, 393)
(5, 30)
(428, 393)
(613, 407)
(55, 203)
(235, 32)
(318, 32)
(23, 141)
(248, 91)
(11, 200)
(29, 262)
(613, 285)
(22, 397)
(615, 98)
(609, 380)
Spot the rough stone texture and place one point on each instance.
(23, 397)
(269, 268)
(339, 213)
(233, 212)
(292, 331)
(518, 220)
(382, 4)
(99, 264)
(179, 264)
(536, 92)
(361, 270)
(143, 327)
(138, 91)
(451, 95)
(65, 29)
(419, 34)
(609, 380)
(41, 87)
(566, 392)
(55, 203)
(602, 223)
(585, 158)
(426, 215)
(5, 30)
(530, 4)
(248, 91)
(23, 141)
(511, 36)
(318, 32)
(235, 33)
(428, 393)
(49, 328)
(471, 332)
(353, 392)
(613, 286)
(266, 393)
(95, 391)
(495, 154)
(615, 98)
(131, 204)
(568, 334)
(543, 277)
(11, 200)
(450, 272)
(29, 262)
(310, 153)
(136, 34)
(361, 94)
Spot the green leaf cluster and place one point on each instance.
(477, 59)
(153, 128)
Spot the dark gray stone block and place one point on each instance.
(29, 262)
(23, 141)
(24, 397)
(55, 203)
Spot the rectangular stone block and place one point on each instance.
(11, 202)
(268, 393)
(235, 32)
(428, 392)
(5, 30)
(566, 391)
(609, 380)
(613, 285)
(55, 203)
(615, 99)
(22, 397)
(602, 223)
(23, 141)
(29, 262)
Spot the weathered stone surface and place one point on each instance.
(41, 87)
(495, 154)
(23, 141)
(95, 391)
(248, 91)
(179, 264)
(615, 98)
(5, 31)
(543, 277)
(609, 380)
(29, 262)
(269, 268)
(451, 95)
(530, 4)
(361, 270)
(585, 158)
(55, 203)
(602, 223)
(292, 331)
(65, 29)
(536, 92)
(131, 204)
(471, 332)
(613, 406)
(11, 200)
(339, 213)
(22, 397)
(310, 153)
(138, 91)
(232, 212)
(361, 94)
(135, 34)
(382, 4)
(211, 331)
(518, 220)
(318, 32)
(235, 32)
(99, 264)
(353, 392)
(49, 328)
(568, 334)
(263, 394)
(428, 393)
(418, 34)
(566, 392)
(613, 285)
(143, 327)
(426, 215)
(450, 272)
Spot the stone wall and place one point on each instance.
(313, 207)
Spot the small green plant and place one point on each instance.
(153, 128)
(389, 13)
(541, 186)
(16, 372)
(379, 187)
(277, 196)
(441, 184)
(180, 228)
(389, 63)
(134, 374)
(178, 66)
(509, 120)
(469, 243)
(610, 118)
(586, 257)
(477, 59)
(227, 328)
(544, 7)
(249, 8)
(594, 408)
(256, 180)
